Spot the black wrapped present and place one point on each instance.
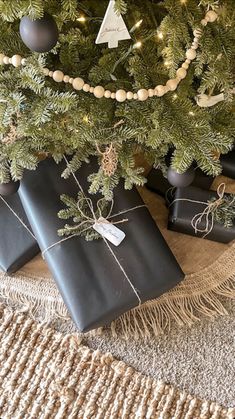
(90, 280)
(17, 245)
(189, 212)
(159, 184)
(228, 164)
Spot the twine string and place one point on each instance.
(208, 214)
(17, 216)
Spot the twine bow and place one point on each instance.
(101, 219)
(208, 214)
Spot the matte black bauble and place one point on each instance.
(181, 180)
(9, 188)
(39, 35)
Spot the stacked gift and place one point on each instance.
(201, 213)
(228, 164)
(97, 280)
(17, 244)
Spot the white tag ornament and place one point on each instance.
(109, 231)
(113, 28)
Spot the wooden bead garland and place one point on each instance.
(121, 95)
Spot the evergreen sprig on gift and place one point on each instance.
(54, 119)
(224, 212)
(79, 210)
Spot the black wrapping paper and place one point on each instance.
(159, 184)
(228, 164)
(17, 246)
(88, 277)
(182, 213)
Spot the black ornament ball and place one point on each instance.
(9, 188)
(39, 35)
(181, 180)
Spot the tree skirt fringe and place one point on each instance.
(200, 294)
(45, 374)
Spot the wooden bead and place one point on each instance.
(99, 92)
(6, 60)
(185, 65)
(16, 60)
(151, 92)
(86, 87)
(78, 83)
(91, 89)
(66, 79)
(130, 95)
(191, 54)
(58, 76)
(135, 97)
(2, 59)
(197, 33)
(46, 71)
(121, 95)
(181, 73)
(10, 60)
(24, 61)
(107, 94)
(71, 80)
(50, 74)
(194, 45)
(172, 84)
(160, 90)
(113, 95)
(204, 22)
(143, 94)
(211, 16)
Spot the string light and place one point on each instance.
(167, 63)
(183, 1)
(191, 113)
(175, 96)
(136, 26)
(137, 45)
(85, 119)
(81, 19)
(160, 35)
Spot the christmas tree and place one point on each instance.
(145, 96)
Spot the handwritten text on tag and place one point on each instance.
(109, 231)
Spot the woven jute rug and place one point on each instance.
(44, 374)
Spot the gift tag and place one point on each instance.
(109, 231)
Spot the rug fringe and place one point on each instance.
(41, 299)
(155, 319)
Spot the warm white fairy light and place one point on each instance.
(160, 35)
(191, 113)
(167, 63)
(136, 26)
(137, 45)
(81, 19)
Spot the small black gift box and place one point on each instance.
(17, 246)
(228, 164)
(183, 211)
(159, 184)
(89, 278)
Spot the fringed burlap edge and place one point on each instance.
(198, 295)
(44, 374)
